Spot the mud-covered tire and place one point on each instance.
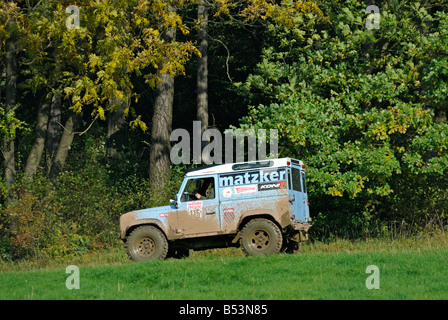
(178, 253)
(146, 243)
(261, 237)
(291, 246)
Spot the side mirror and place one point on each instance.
(174, 202)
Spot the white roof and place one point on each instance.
(227, 167)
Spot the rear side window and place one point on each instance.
(296, 185)
(288, 177)
(304, 181)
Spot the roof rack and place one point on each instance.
(240, 166)
(253, 165)
(202, 168)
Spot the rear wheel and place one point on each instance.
(291, 246)
(178, 253)
(146, 243)
(261, 236)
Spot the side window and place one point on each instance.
(304, 181)
(199, 189)
(288, 178)
(190, 189)
(296, 185)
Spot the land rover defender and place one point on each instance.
(261, 206)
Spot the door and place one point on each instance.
(297, 194)
(198, 208)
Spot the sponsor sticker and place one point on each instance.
(229, 214)
(271, 186)
(227, 192)
(194, 208)
(252, 177)
(165, 214)
(245, 189)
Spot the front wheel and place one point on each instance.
(261, 236)
(146, 243)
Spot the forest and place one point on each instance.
(90, 91)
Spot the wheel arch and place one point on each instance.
(250, 217)
(146, 222)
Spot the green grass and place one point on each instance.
(408, 270)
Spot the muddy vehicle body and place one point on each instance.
(261, 206)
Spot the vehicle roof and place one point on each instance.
(243, 166)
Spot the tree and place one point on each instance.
(11, 93)
(202, 70)
(89, 68)
(159, 157)
(236, 13)
(117, 128)
(362, 126)
(37, 148)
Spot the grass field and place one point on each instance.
(408, 269)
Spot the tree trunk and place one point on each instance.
(54, 129)
(202, 72)
(38, 147)
(116, 129)
(11, 93)
(202, 77)
(159, 153)
(64, 146)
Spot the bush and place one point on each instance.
(79, 213)
(361, 118)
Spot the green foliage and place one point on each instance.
(358, 106)
(9, 123)
(365, 109)
(79, 213)
(93, 64)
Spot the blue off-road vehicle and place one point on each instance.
(261, 206)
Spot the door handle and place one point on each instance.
(211, 212)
